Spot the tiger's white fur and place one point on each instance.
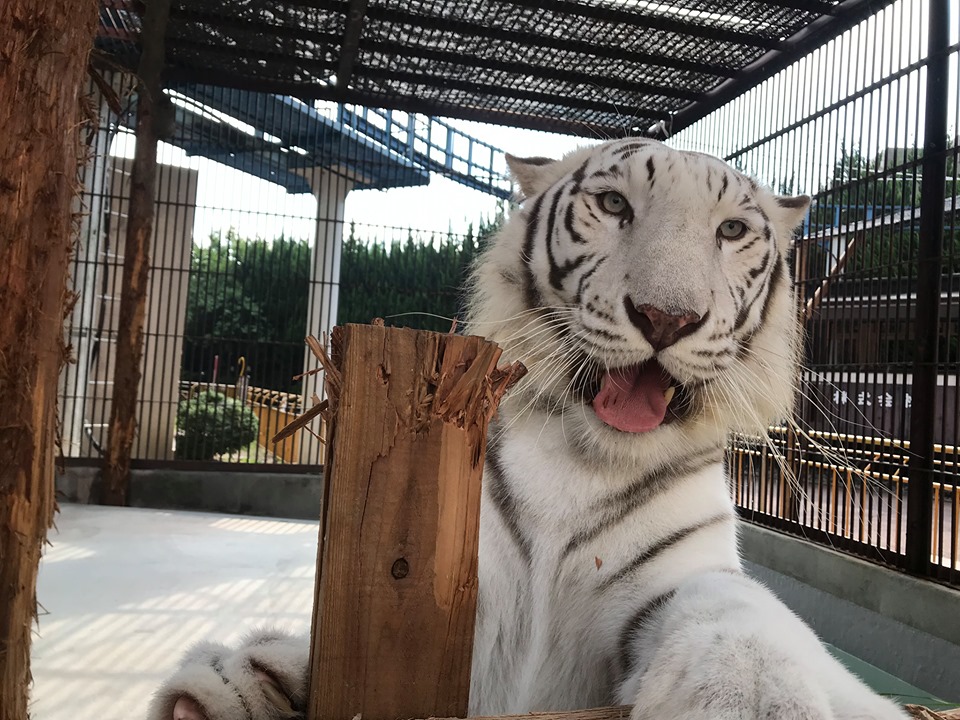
(609, 570)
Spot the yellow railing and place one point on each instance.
(851, 486)
(274, 410)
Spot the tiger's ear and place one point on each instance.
(792, 210)
(533, 174)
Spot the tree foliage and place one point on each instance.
(210, 424)
(249, 297)
(869, 209)
(880, 197)
(417, 282)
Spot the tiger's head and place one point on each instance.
(647, 291)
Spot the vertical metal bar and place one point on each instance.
(929, 269)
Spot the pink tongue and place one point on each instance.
(631, 398)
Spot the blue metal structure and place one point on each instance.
(434, 145)
(273, 137)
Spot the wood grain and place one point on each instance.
(397, 567)
(617, 712)
(44, 45)
(136, 261)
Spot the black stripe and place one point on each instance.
(713, 353)
(530, 293)
(593, 344)
(773, 284)
(650, 170)
(581, 284)
(218, 669)
(568, 225)
(551, 227)
(578, 176)
(748, 245)
(559, 273)
(606, 334)
(743, 314)
(660, 547)
(504, 501)
(759, 210)
(633, 626)
(590, 211)
(617, 506)
(631, 148)
(756, 272)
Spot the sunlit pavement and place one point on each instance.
(124, 591)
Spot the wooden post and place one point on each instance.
(44, 46)
(136, 259)
(397, 565)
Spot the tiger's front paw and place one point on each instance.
(264, 678)
(738, 684)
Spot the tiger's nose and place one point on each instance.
(661, 329)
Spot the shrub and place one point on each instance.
(210, 424)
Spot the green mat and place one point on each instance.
(889, 685)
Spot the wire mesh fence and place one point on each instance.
(867, 125)
(253, 250)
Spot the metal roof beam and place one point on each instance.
(610, 82)
(811, 6)
(530, 40)
(191, 14)
(315, 65)
(494, 92)
(651, 22)
(847, 14)
(312, 91)
(463, 27)
(351, 42)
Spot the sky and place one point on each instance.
(229, 198)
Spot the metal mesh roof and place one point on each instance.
(589, 67)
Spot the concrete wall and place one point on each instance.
(907, 626)
(86, 388)
(270, 494)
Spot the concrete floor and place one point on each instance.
(125, 591)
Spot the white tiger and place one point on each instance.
(647, 292)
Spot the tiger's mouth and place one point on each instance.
(637, 398)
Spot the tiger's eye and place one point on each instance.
(732, 229)
(613, 202)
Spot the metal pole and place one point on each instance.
(929, 270)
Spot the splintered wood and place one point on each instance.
(407, 415)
